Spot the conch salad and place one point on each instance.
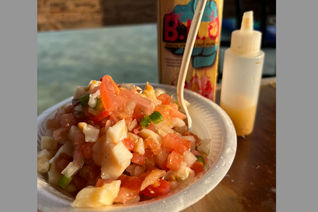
(118, 144)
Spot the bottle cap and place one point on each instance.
(246, 41)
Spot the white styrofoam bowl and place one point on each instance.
(210, 123)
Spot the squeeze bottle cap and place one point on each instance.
(246, 41)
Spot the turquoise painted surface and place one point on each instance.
(67, 59)
(70, 58)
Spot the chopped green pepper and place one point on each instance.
(84, 100)
(99, 105)
(64, 181)
(156, 117)
(144, 122)
(200, 159)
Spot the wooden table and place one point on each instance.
(250, 184)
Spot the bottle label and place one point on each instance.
(176, 25)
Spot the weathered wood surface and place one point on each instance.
(250, 184)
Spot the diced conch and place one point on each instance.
(149, 92)
(93, 99)
(163, 128)
(66, 148)
(152, 177)
(132, 125)
(93, 197)
(93, 84)
(191, 139)
(91, 133)
(183, 172)
(53, 175)
(117, 132)
(43, 158)
(140, 146)
(71, 169)
(189, 158)
(48, 143)
(139, 143)
(145, 133)
(177, 122)
(116, 159)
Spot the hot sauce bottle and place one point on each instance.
(242, 74)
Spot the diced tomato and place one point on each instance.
(149, 159)
(114, 118)
(122, 102)
(197, 167)
(99, 117)
(100, 182)
(186, 144)
(109, 92)
(62, 161)
(174, 161)
(87, 149)
(52, 123)
(169, 111)
(177, 114)
(130, 182)
(153, 145)
(164, 98)
(127, 195)
(130, 145)
(173, 142)
(138, 158)
(67, 120)
(143, 105)
(161, 187)
(161, 158)
(60, 134)
(138, 114)
(163, 110)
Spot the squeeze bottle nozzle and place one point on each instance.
(247, 22)
(246, 41)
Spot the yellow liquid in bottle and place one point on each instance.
(242, 115)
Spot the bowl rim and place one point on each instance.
(206, 183)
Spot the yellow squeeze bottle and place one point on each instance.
(242, 74)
